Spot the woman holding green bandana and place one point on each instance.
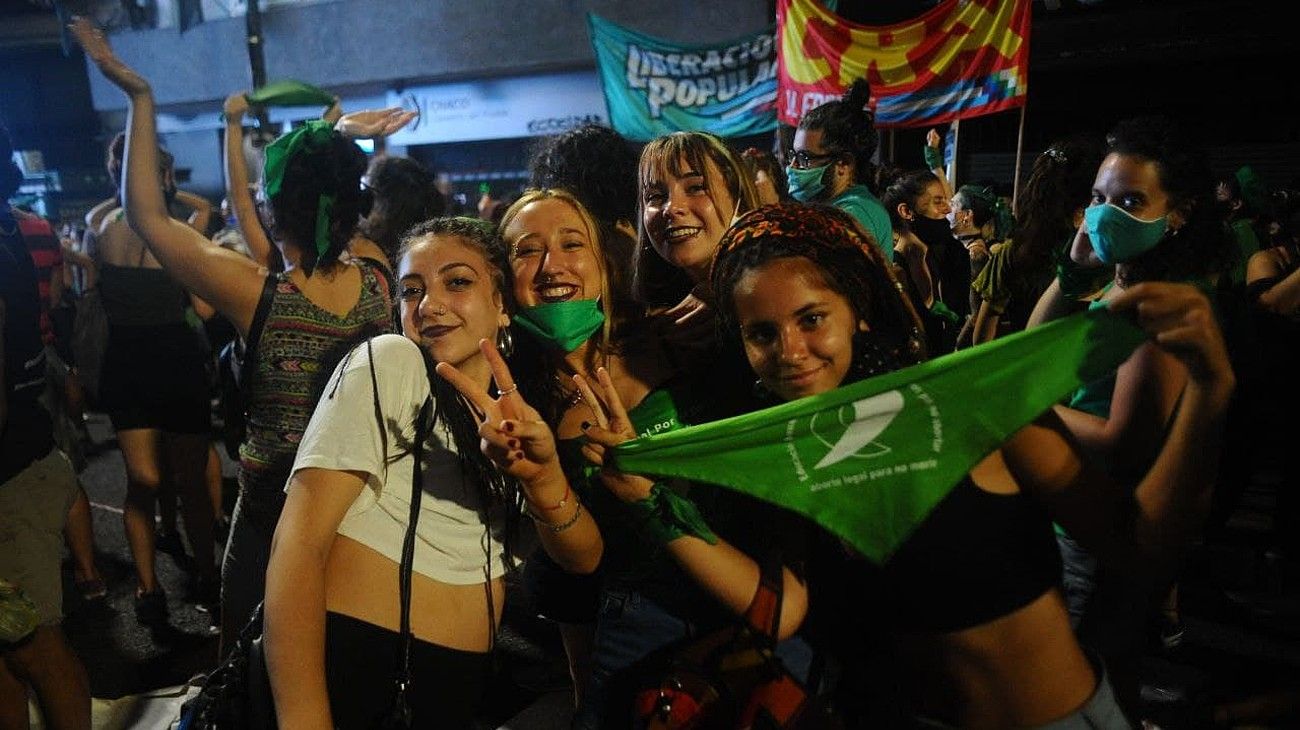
(575, 315)
(299, 321)
(969, 602)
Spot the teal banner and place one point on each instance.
(653, 87)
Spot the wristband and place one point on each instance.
(941, 310)
(568, 492)
(933, 158)
(577, 512)
(666, 516)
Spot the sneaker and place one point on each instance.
(151, 608)
(92, 589)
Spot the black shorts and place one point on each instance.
(156, 377)
(361, 671)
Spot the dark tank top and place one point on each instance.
(977, 557)
(136, 297)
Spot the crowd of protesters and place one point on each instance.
(489, 362)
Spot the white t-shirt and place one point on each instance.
(451, 538)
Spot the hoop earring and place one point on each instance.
(505, 342)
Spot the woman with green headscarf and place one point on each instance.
(299, 322)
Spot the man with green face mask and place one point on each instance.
(831, 161)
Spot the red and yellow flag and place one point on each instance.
(964, 58)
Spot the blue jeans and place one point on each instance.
(630, 626)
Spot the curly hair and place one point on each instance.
(451, 410)
(330, 169)
(404, 195)
(593, 162)
(1202, 246)
(848, 127)
(655, 282)
(850, 264)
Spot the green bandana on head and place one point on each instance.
(563, 326)
(278, 154)
(869, 461)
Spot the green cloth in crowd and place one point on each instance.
(289, 92)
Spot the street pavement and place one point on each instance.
(1241, 647)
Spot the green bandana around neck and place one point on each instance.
(869, 461)
(278, 154)
(563, 326)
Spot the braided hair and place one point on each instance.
(849, 127)
(851, 265)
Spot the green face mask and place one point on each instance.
(563, 326)
(806, 185)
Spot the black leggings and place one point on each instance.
(361, 668)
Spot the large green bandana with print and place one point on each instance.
(869, 461)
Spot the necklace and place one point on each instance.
(571, 398)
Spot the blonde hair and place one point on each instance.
(653, 278)
(594, 234)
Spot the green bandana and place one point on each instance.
(869, 461)
(290, 93)
(563, 326)
(278, 154)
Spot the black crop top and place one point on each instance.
(978, 556)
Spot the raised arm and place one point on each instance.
(231, 283)
(1141, 531)
(934, 160)
(241, 200)
(200, 210)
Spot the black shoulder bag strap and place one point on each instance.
(248, 363)
(399, 715)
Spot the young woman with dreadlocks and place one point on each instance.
(331, 608)
(971, 601)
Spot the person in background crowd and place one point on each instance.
(597, 165)
(37, 488)
(317, 309)
(154, 388)
(831, 161)
(1241, 210)
(404, 195)
(918, 203)
(1050, 212)
(1153, 217)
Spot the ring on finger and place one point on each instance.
(508, 391)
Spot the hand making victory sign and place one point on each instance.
(514, 436)
(612, 427)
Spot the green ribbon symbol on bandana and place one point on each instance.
(278, 154)
(869, 461)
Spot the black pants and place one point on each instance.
(361, 668)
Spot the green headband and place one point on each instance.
(278, 154)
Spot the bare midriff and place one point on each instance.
(362, 583)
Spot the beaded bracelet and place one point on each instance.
(577, 512)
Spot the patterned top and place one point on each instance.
(299, 347)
